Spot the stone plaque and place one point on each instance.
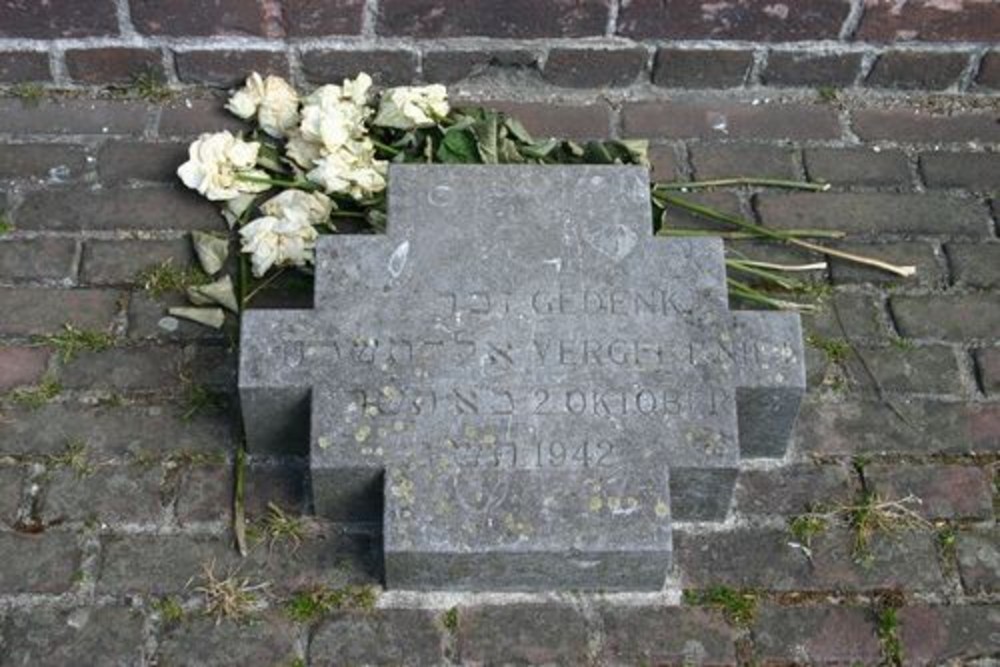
(519, 381)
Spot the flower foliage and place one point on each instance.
(308, 160)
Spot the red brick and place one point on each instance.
(387, 67)
(664, 163)
(953, 317)
(107, 493)
(930, 21)
(120, 262)
(701, 68)
(192, 117)
(42, 161)
(29, 311)
(926, 128)
(973, 171)
(18, 66)
(678, 218)
(73, 116)
(910, 253)
(57, 18)
(123, 161)
(517, 19)
(44, 563)
(124, 368)
(928, 369)
(315, 18)
(206, 494)
(522, 633)
(113, 65)
(452, 66)
(752, 20)
(792, 489)
(914, 70)
(729, 160)
(794, 68)
(875, 213)
(723, 119)
(988, 362)
(978, 554)
(159, 208)
(228, 68)
(945, 491)
(910, 427)
(594, 68)
(939, 635)
(37, 259)
(823, 635)
(989, 71)
(589, 121)
(642, 635)
(857, 166)
(195, 17)
(762, 558)
(21, 366)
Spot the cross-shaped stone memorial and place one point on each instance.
(519, 381)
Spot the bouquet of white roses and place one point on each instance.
(307, 160)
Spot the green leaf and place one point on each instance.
(539, 149)
(637, 149)
(458, 147)
(486, 137)
(508, 153)
(597, 153)
(517, 130)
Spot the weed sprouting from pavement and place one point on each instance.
(231, 596)
(71, 341)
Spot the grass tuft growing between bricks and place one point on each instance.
(835, 349)
(312, 604)
(449, 620)
(887, 626)
(169, 609)
(164, 277)
(198, 399)
(739, 607)
(6, 226)
(71, 341)
(149, 85)
(73, 457)
(37, 396)
(230, 596)
(279, 527)
(28, 92)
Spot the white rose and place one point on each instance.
(245, 101)
(352, 169)
(272, 100)
(215, 164)
(314, 207)
(273, 241)
(302, 151)
(279, 107)
(408, 107)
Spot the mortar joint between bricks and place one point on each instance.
(852, 21)
(614, 9)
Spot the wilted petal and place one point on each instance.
(210, 317)
(212, 251)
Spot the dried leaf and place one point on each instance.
(210, 317)
(212, 251)
(221, 292)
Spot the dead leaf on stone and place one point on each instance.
(221, 292)
(210, 317)
(212, 251)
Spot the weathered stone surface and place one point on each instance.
(765, 559)
(978, 554)
(52, 163)
(10, 493)
(517, 19)
(917, 71)
(314, 18)
(942, 634)
(816, 636)
(641, 635)
(110, 494)
(857, 166)
(949, 317)
(37, 259)
(45, 563)
(522, 633)
(971, 171)
(73, 116)
(127, 368)
(83, 636)
(792, 490)
(21, 365)
(32, 311)
(725, 119)
(922, 127)
(988, 362)
(944, 491)
(594, 68)
(902, 426)
(23, 66)
(733, 160)
(162, 564)
(266, 641)
(701, 68)
(975, 265)
(929, 20)
(809, 68)
(382, 637)
(140, 431)
(122, 161)
(58, 18)
(501, 380)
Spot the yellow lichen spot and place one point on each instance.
(324, 442)
(661, 509)
(363, 432)
(489, 439)
(390, 392)
(471, 432)
(382, 432)
(398, 426)
(371, 411)
(596, 503)
(614, 503)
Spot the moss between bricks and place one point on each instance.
(312, 604)
(738, 606)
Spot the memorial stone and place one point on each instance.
(520, 381)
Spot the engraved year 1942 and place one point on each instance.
(487, 453)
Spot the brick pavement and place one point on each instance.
(115, 492)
